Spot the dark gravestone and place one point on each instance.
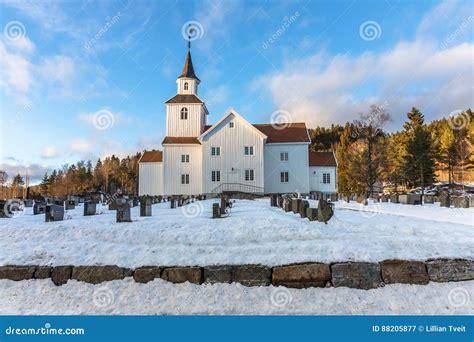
(461, 202)
(89, 208)
(135, 202)
(273, 200)
(287, 205)
(70, 205)
(145, 206)
(216, 212)
(223, 204)
(303, 208)
(3, 208)
(334, 197)
(384, 198)
(325, 211)
(173, 203)
(39, 208)
(312, 214)
(280, 201)
(445, 200)
(295, 205)
(59, 202)
(412, 199)
(428, 199)
(123, 212)
(180, 202)
(394, 198)
(28, 203)
(54, 212)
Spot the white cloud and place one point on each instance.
(80, 146)
(50, 152)
(58, 68)
(323, 89)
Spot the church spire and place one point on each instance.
(188, 69)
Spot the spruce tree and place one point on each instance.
(343, 164)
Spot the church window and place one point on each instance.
(184, 113)
(185, 85)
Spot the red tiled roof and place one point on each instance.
(184, 98)
(152, 157)
(181, 140)
(284, 133)
(322, 159)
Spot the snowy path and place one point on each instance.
(160, 297)
(254, 233)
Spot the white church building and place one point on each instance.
(230, 155)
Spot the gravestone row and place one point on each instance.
(322, 213)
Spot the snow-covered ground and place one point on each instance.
(160, 297)
(254, 233)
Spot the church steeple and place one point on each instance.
(188, 81)
(188, 69)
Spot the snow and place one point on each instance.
(120, 297)
(254, 233)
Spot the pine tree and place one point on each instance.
(449, 152)
(419, 159)
(343, 169)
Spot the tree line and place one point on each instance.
(370, 159)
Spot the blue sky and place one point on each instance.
(321, 62)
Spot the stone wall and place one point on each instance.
(361, 275)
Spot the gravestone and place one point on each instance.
(273, 200)
(223, 204)
(334, 197)
(180, 201)
(287, 205)
(54, 212)
(279, 201)
(28, 203)
(325, 211)
(2, 208)
(135, 202)
(384, 198)
(444, 200)
(303, 208)
(39, 208)
(428, 199)
(89, 208)
(461, 202)
(412, 199)
(362, 200)
(394, 198)
(216, 212)
(70, 205)
(59, 202)
(312, 214)
(173, 203)
(295, 205)
(123, 212)
(145, 206)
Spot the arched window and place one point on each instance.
(184, 113)
(185, 85)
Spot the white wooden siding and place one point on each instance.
(316, 178)
(232, 162)
(192, 86)
(296, 166)
(192, 127)
(174, 168)
(150, 179)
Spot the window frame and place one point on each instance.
(326, 178)
(284, 156)
(249, 148)
(185, 179)
(186, 86)
(232, 125)
(185, 158)
(214, 150)
(284, 177)
(215, 176)
(184, 113)
(249, 175)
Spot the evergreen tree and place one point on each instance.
(449, 152)
(419, 159)
(343, 169)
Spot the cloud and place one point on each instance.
(35, 171)
(323, 89)
(57, 68)
(217, 95)
(80, 146)
(49, 152)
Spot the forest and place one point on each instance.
(369, 158)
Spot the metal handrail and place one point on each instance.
(238, 187)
